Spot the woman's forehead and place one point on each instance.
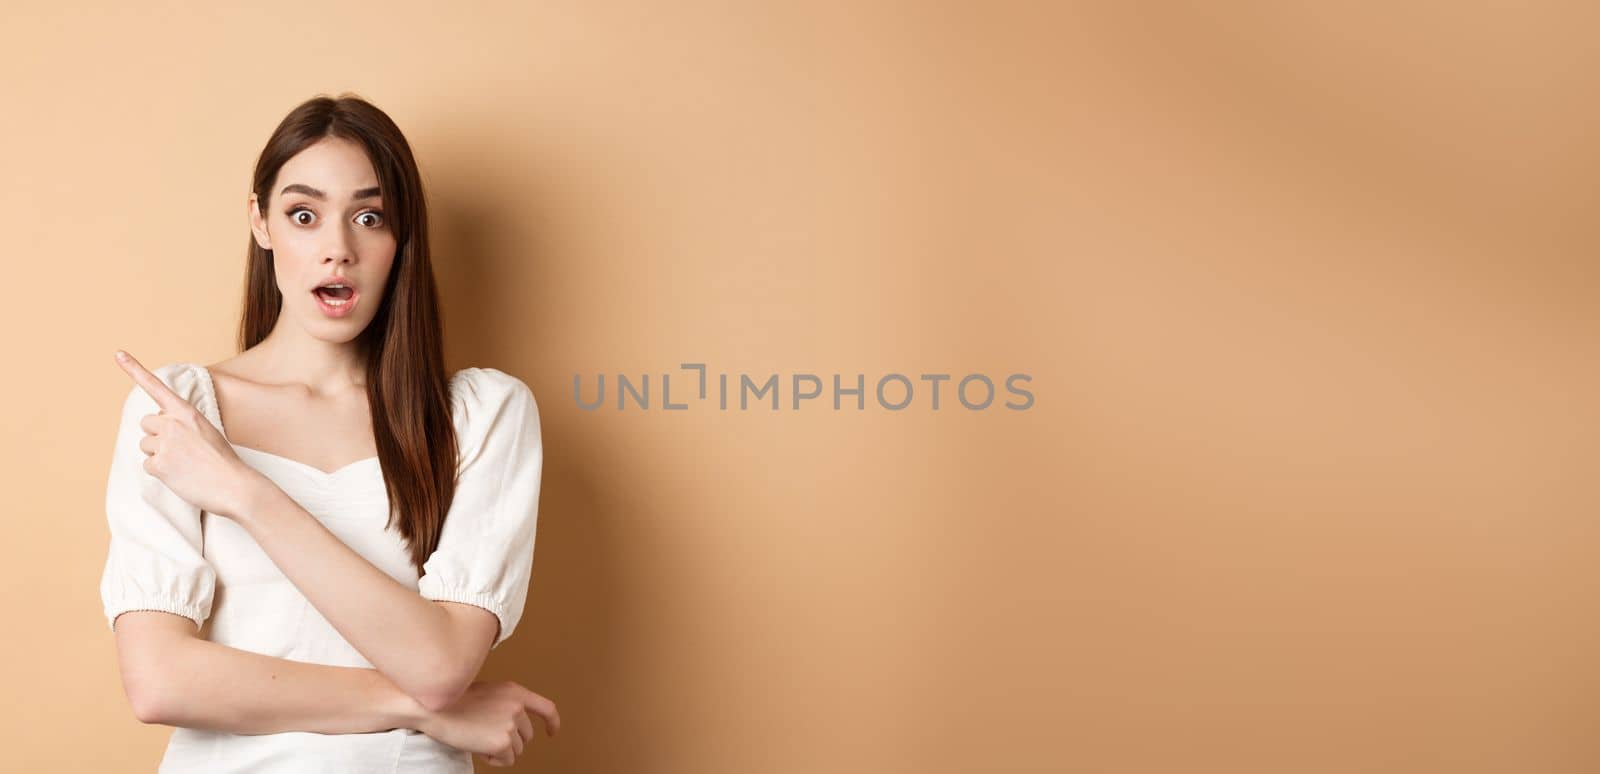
(334, 166)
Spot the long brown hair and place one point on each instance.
(403, 347)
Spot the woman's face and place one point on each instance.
(325, 224)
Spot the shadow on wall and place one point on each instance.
(489, 265)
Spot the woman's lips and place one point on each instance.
(335, 307)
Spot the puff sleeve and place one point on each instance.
(485, 552)
(155, 560)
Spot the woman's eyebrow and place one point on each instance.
(365, 193)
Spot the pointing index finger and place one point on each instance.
(150, 383)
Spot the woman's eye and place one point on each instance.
(302, 216)
(376, 219)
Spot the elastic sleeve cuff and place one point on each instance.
(172, 605)
(484, 600)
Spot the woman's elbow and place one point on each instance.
(147, 696)
(441, 690)
(149, 693)
(443, 679)
(148, 706)
(449, 668)
(437, 699)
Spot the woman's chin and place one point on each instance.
(334, 331)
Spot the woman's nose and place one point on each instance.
(338, 249)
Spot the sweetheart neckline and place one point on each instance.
(299, 464)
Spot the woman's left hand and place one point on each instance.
(187, 453)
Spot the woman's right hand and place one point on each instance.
(491, 719)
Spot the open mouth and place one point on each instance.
(335, 300)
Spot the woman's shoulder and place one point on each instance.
(482, 379)
(481, 388)
(487, 398)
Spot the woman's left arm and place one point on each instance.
(431, 650)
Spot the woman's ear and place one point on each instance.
(258, 223)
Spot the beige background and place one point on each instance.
(1308, 296)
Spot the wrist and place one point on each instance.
(256, 493)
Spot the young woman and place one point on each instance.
(316, 542)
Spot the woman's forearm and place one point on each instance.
(430, 652)
(206, 685)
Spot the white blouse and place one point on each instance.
(168, 555)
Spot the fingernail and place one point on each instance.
(121, 355)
